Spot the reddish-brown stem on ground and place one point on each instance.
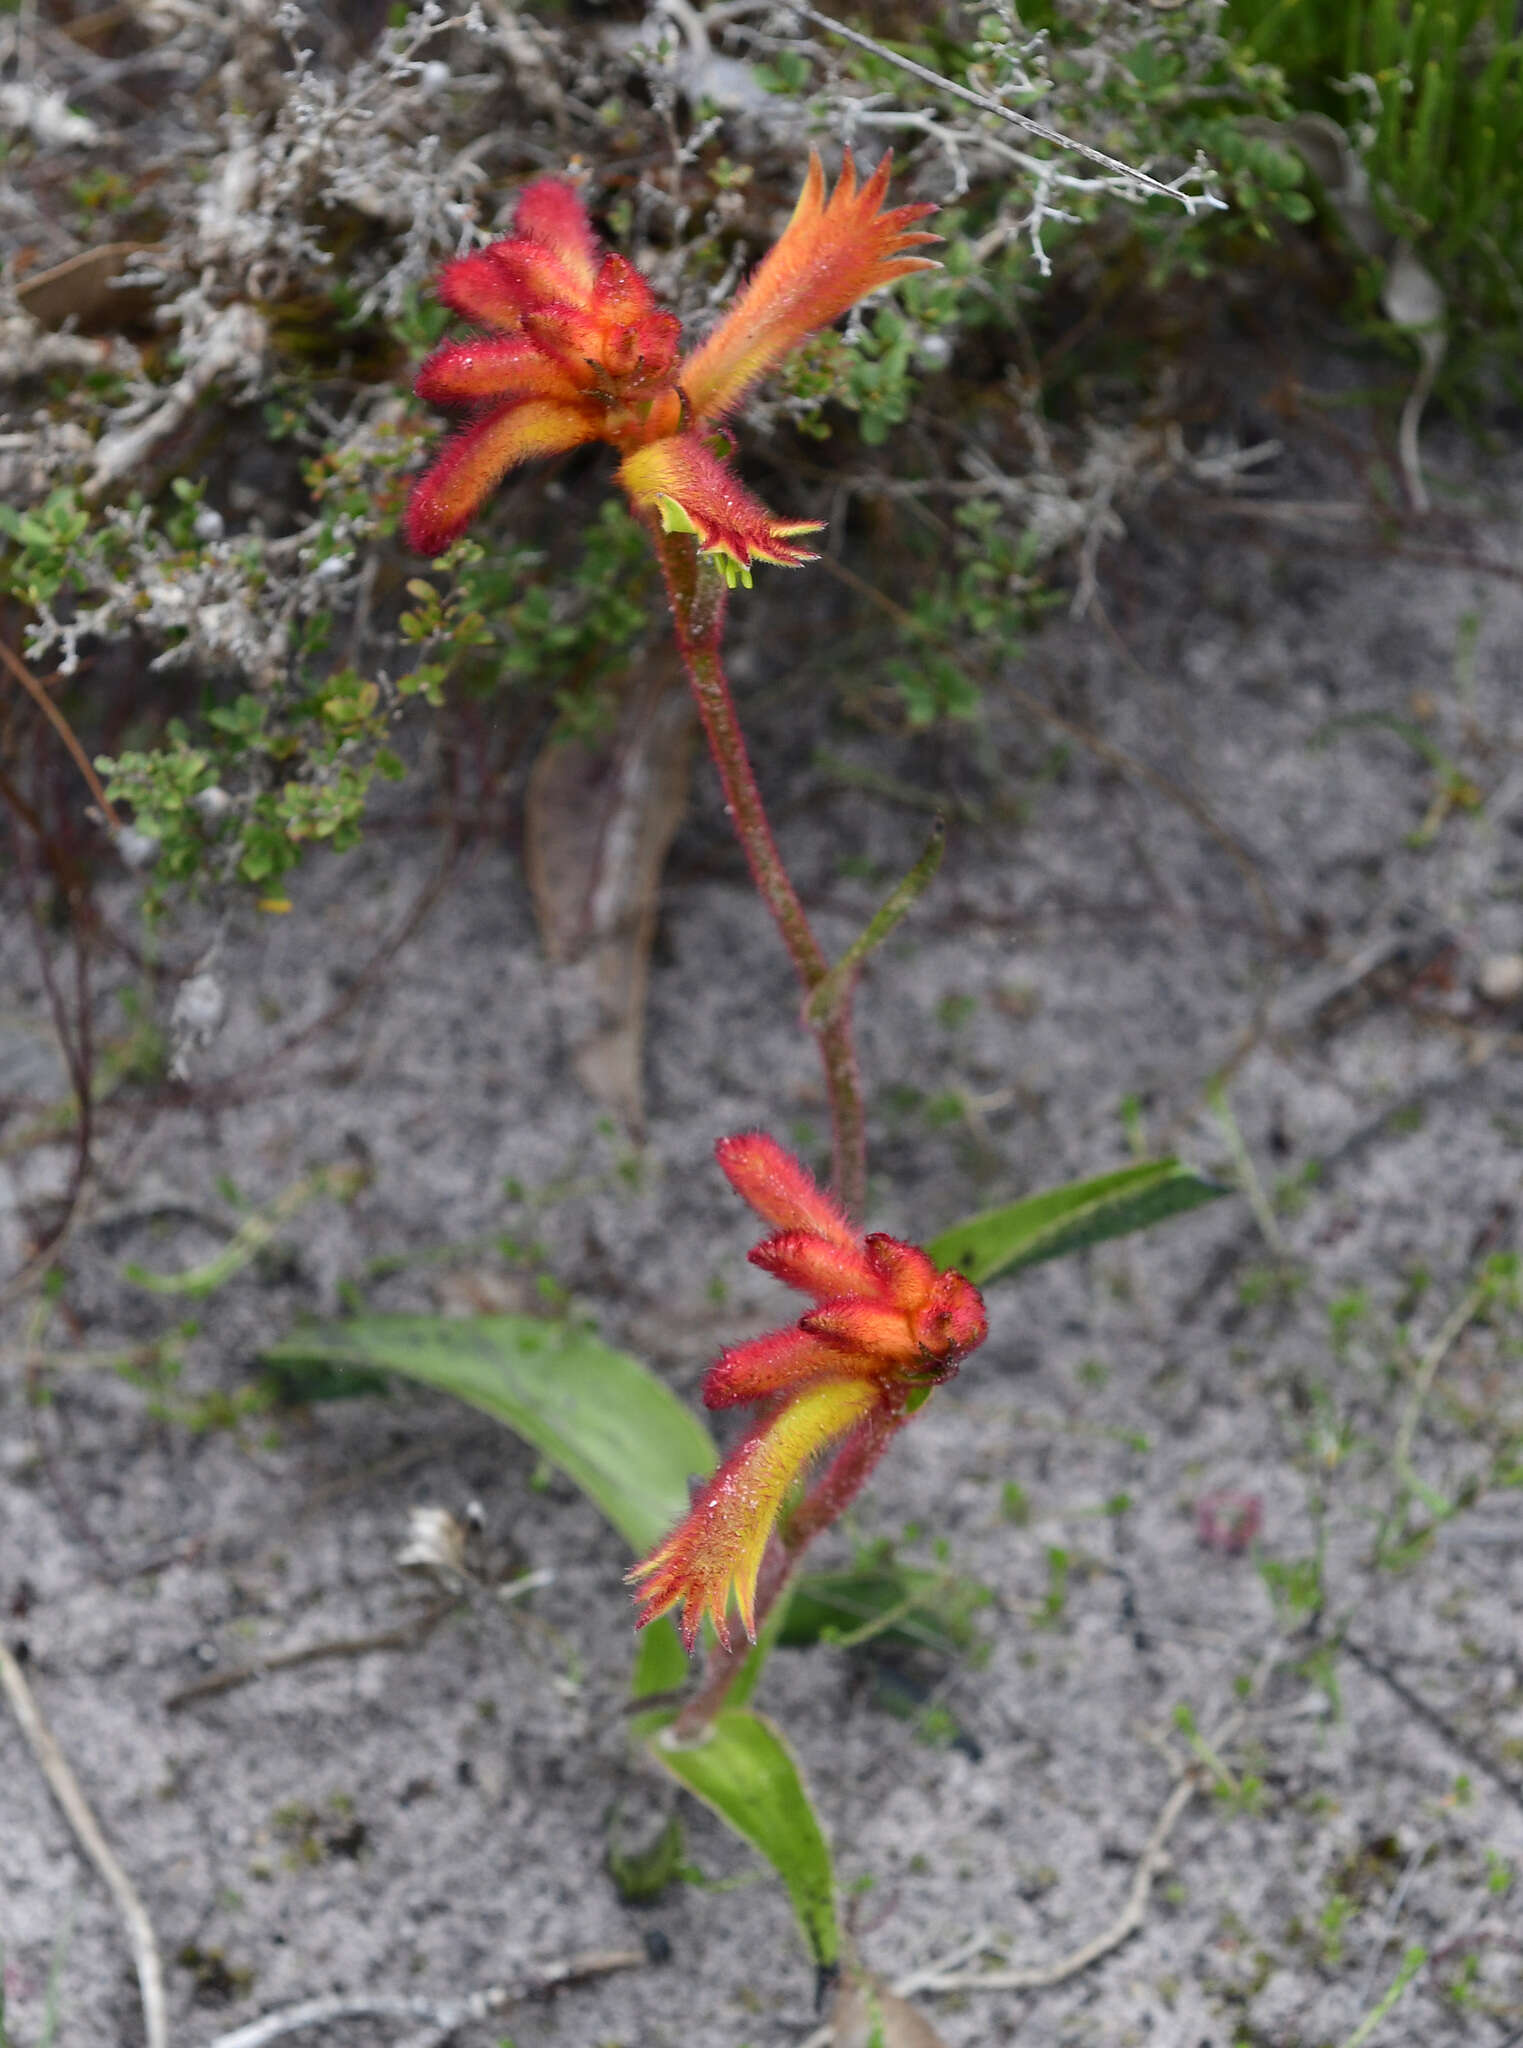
(697, 593)
(64, 730)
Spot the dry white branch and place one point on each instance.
(441, 2017)
(948, 1973)
(232, 345)
(64, 1786)
(1459, 1319)
(1040, 1976)
(46, 116)
(1192, 202)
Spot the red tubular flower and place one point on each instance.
(887, 1327)
(578, 350)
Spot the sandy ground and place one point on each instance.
(432, 1820)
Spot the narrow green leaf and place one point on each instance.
(899, 1606)
(600, 1415)
(251, 1236)
(768, 1637)
(746, 1773)
(1066, 1219)
(661, 1667)
(829, 995)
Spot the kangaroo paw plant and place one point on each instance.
(570, 348)
(577, 350)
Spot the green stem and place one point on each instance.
(697, 593)
(901, 900)
(721, 1671)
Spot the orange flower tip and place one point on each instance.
(620, 295)
(780, 1363)
(497, 285)
(490, 367)
(426, 529)
(864, 1329)
(780, 1190)
(735, 569)
(953, 1321)
(903, 1270)
(817, 1265)
(832, 253)
(675, 520)
(550, 211)
(449, 494)
(479, 288)
(669, 1587)
(679, 480)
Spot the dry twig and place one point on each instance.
(1041, 1976)
(64, 1786)
(1455, 1325)
(1190, 201)
(64, 730)
(408, 1635)
(441, 2017)
(949, 1975)
(1437, 1721)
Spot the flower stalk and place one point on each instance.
(572, 347)
(697, 590)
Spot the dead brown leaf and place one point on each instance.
(83, 288)
(866, 2014)
(599, 820)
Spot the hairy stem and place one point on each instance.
(697, 593)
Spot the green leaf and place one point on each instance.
(902, 1607)
(600, 1415)
(1066, 1219)
(251, 1236)
(661, 1664)
(768, 1637)
(745, 1771)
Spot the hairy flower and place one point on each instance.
(886, 1328)
(576, 350)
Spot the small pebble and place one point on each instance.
(137, 849)
(1500, 979)
(213, 803)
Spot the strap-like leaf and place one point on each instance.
(745, 1771)
(1068, 1218)
(600, 1415)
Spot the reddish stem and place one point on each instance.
(697, 593)
(64, 730)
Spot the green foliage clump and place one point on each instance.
(241, 789)
(54, 551)
(1432, 94)
(989, 597)
(511, 616)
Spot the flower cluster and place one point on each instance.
(887, 1327)
(576, 349)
